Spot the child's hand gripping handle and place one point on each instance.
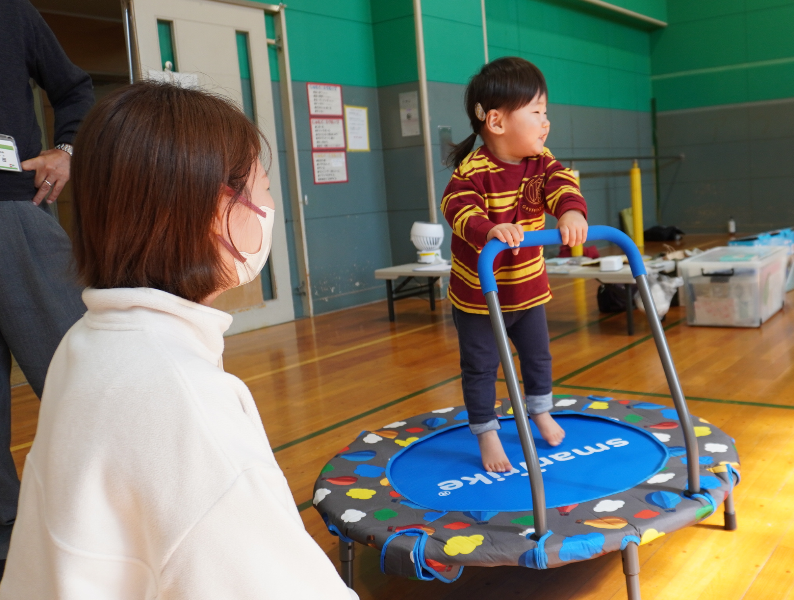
(552, 236)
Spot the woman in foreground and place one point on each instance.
(151, 475)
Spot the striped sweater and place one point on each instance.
(484, 192)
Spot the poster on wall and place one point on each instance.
(325, 99)
(329, 167)
(357, 128)
(327, 134)
(409, 114)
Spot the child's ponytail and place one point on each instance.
(507, 83)
(460, 151)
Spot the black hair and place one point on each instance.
(507, 83)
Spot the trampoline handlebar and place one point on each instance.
(595, 232)
(547, 237)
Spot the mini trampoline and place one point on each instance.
(627, 473)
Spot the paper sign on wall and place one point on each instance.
(328, 133)
(324, 99)
(409, 114)
(330, 167)
(357, 128)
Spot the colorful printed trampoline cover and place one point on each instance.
(416, 491)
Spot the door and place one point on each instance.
(222, 48)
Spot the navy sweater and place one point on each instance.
(29, 50)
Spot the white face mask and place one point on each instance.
(249, 265)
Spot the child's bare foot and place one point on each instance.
(494, 458)
(551, 432)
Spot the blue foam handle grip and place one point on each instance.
(552, 236)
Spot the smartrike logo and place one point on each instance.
(449, 486)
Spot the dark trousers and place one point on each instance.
(479, 362)
(39, 302)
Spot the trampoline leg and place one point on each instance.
(730, 513)
(347, 552)
(631, 568)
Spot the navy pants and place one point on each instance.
(479, 362)
(39, 301)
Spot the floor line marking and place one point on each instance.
(21, 446)
(391, 403)
(309, 361)
(366, 413)
(688, 398)
(611, 355)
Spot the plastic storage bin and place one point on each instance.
(779, 237)
(734, 286)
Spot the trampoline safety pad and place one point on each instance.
(416, 489)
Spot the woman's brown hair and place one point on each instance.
(149, 166)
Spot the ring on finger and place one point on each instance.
(48, 183)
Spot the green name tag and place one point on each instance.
(9, 157)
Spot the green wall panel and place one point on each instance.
(699, 44)
(680, 11)
(395, 51)
(461, 11)
(719, 52)
(352, 10)
(706, 89)
(330, 50)
(452, 51)
(495, 52)
(760, 4)
(625, 60)
(624, 90)
(589, 84)
(502, 22)
(629, 49)
(770, 82)
(557, 45)
(770, 33)
(385, 10)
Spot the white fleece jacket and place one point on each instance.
(151, 476)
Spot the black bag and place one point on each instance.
(611, 297)
(657, 233)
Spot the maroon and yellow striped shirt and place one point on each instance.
(484, 192)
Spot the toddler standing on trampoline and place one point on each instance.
(500, 190)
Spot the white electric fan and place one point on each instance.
(427, 238)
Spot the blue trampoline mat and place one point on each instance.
(598, 458)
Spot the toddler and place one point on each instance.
(500, 190)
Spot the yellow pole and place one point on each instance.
(636, 205)
(577, 250)
(579, 291)
(580, 299)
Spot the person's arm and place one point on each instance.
(250, 544)
(70, 92)
(465, 210)
(563, 199)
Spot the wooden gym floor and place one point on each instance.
(320, 382)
